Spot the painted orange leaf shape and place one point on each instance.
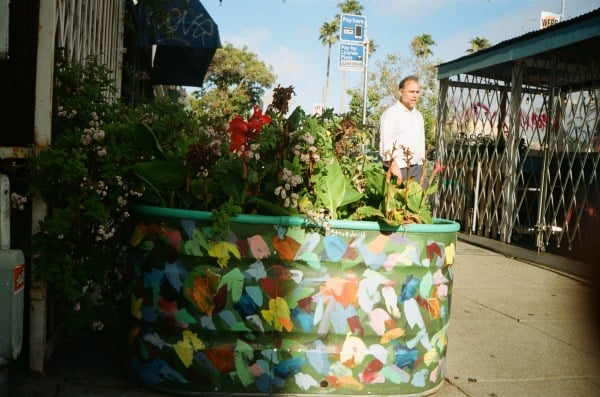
(286, 247)
(343, 290)
(203, 291)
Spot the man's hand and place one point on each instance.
(395, 170)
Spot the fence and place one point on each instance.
(521, 141)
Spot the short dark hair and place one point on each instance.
(406, 80)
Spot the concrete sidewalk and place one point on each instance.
(516, 329)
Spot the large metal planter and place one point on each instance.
(285, 309)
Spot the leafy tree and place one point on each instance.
(478, 44)
(236, 79)
(328, 34)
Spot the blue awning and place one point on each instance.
(186, 38)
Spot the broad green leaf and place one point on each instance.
(335, 191)
(162, 174)
(369, 212)
(145, 139)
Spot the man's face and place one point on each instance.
(409, 95)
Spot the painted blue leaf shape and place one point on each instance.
(335, 247)
(245, 306)
(188, 226)
(153, 277)
(302, 318)
(409, 288)
(156, 371)
(405, 357)
(175, 274)
(203, 362)
(318, 358)
(149, 313)
(289, 367)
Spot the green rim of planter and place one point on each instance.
(439, 226)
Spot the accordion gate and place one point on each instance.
(521, 143)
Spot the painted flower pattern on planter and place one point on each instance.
(279, 309)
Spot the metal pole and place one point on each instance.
(562, 10)
(366, 73)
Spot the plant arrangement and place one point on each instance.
(271, 163)
(106, 158)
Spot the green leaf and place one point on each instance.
(145, 139)
(369, 212)
(162, 174)
(334, 191)
(376, 178)
(233, 187)
(425, 215)
(268, 207)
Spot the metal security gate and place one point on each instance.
(519, 133)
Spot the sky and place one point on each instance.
(285, 34)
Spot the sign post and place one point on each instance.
(354, 49)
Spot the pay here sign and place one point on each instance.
(352, 57)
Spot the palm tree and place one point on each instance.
(420, 45)
(372, 47)
(352, 7)
(328, 34)
(478, 44)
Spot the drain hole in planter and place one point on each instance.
(324, 383)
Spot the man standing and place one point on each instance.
(402, 133)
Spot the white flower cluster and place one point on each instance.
(319, 218)
(102, 189)
(285, 191)
(97, 325)
(104, 234)
(69, 114)
(94, 133)
(18, 201)
(253, 151)
(310, 153)
(148, 118)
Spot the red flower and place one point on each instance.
(258, 119)
(244, 132)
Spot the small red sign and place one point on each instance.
(19, 278)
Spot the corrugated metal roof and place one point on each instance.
(580, 29)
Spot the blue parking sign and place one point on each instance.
(353, 28)
(352, 57)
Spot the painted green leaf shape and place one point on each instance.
(235, 283)
(311, 260)
(195, 244)
(184, 317)
(243, 354)
(192, 247)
